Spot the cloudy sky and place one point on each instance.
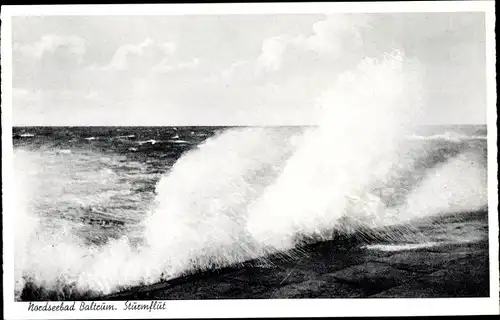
(231, 69)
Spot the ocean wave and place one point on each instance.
(402, 247)
(179, 141)
(150, 141)
(250, 192)
(447, 136)
(27, 135)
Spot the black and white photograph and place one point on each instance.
(197, 154)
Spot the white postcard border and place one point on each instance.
(257, 308)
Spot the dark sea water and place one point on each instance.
(101, 178)
(82, 189)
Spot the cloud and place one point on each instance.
(147, 53)
(166, 66)
(20, 93)
(273, 51)
(266, 66)
(50, 44)
(334, 34)
(52, 61)
(329, 38)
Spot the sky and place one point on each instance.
(232, 69)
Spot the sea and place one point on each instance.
(100, 209)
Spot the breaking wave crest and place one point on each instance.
(448, 136)
(249, 192)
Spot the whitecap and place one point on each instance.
(27, 135)
(152, 141)
(400, 247)
(447, 136)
